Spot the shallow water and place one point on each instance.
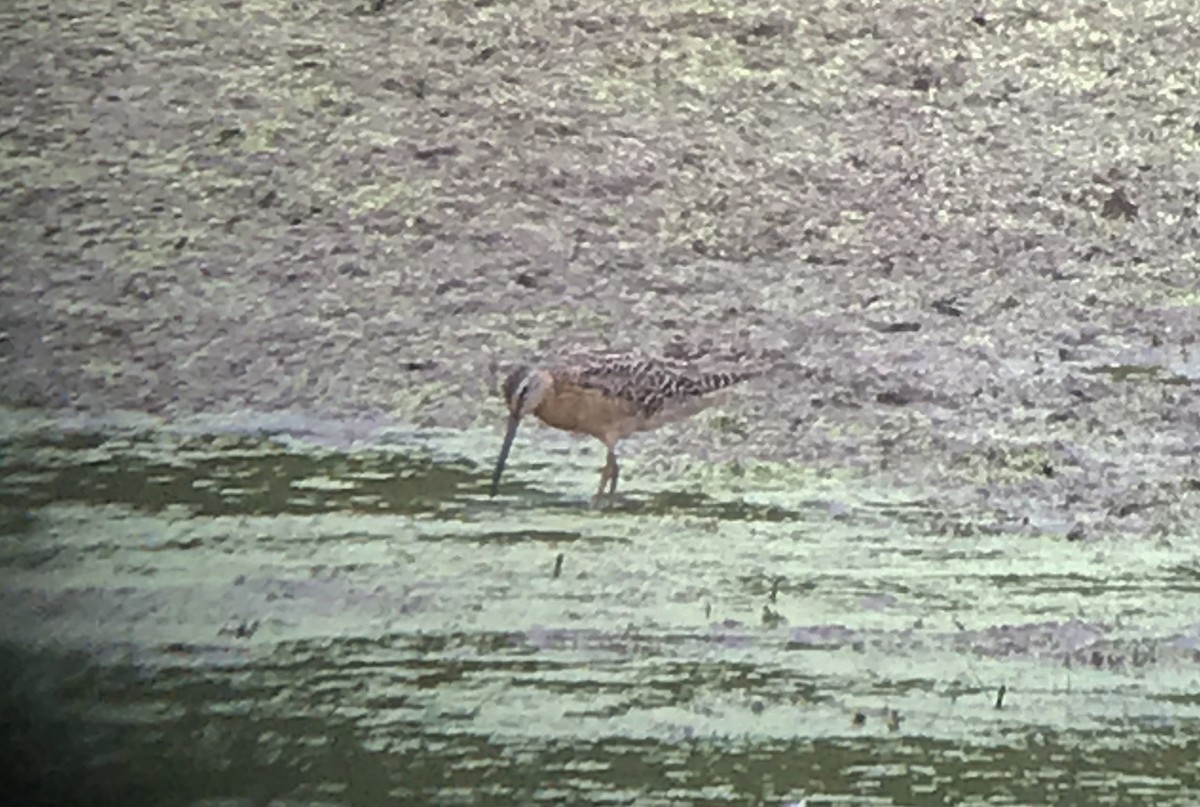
(295, 611)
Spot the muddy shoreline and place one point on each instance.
(965, 245)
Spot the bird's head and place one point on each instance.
(524, 390)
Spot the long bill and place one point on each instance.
(513, 421)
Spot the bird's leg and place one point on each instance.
(600, 490)
(608, 476)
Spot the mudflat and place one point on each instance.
(964, 242)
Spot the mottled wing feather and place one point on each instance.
(649, 384)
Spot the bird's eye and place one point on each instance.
(523, 389)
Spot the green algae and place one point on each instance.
(733, 629)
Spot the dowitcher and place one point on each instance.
(607, 397)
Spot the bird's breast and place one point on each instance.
(589, 411)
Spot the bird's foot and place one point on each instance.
(608, 500)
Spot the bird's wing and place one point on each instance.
(648, 383)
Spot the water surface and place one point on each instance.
(293, 611)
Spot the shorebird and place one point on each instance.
(607, 397)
